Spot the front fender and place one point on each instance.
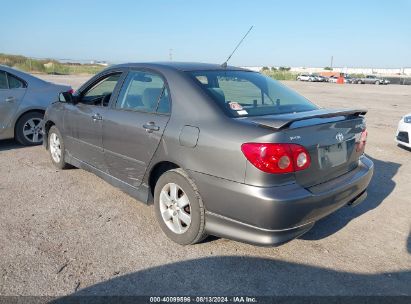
(54, 115)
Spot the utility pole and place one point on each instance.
(170, 54)
(331, 66)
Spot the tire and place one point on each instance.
(377, 82)
(55, 144)
(172, 209)
(359, 82)
(28, 130)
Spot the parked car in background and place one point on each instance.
(218, 150)
(319, 78)
(23, 101)
(371, 79)
(404, 131)
(333, 79)
(306, 77)
(348, 79)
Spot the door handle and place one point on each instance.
(151, 126)
(97, 116)
(10, 99)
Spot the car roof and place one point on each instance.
(181, 66)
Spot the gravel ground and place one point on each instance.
(68, 232)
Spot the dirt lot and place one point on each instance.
(65, 232)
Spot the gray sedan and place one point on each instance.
(23, 101)
(219, 150)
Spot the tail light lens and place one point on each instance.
(362, 142)
(277, 158)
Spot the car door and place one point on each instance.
(133, 129)
(12, 91)
(83, 121)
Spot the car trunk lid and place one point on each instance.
(330, 137)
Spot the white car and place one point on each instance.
(404, 131)
(305, 77)
(332, 79)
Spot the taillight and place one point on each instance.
(362, 141)
(300, 156)
(277, 158)
(71, 91)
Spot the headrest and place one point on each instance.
(218, 93)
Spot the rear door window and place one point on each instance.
(144, 91)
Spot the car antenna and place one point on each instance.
(224, 65)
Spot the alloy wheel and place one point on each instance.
(33, 131)
(175, 208)
(55, 147)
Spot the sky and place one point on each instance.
(360, 33)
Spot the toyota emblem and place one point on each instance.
(339, 137)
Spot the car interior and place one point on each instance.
(99, 94)
(144, 92)
(253, 99)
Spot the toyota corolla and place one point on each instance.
(218, 150)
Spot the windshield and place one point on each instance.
(243, 93)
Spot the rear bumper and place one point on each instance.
(228, 228)
(275, 215)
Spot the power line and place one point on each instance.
(170, 54)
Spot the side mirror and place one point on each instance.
(66, 97)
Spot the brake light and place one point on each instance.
(362, 142)
(277, 158)
(71, 91)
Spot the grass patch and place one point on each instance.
(48, 66)
(280, 75)
(356, 75)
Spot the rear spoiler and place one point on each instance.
(283, 121)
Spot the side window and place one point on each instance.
(144, 91)
(100, 93)
(3, 81)
(202, 79)
(14, 82)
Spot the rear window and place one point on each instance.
(242, 93)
